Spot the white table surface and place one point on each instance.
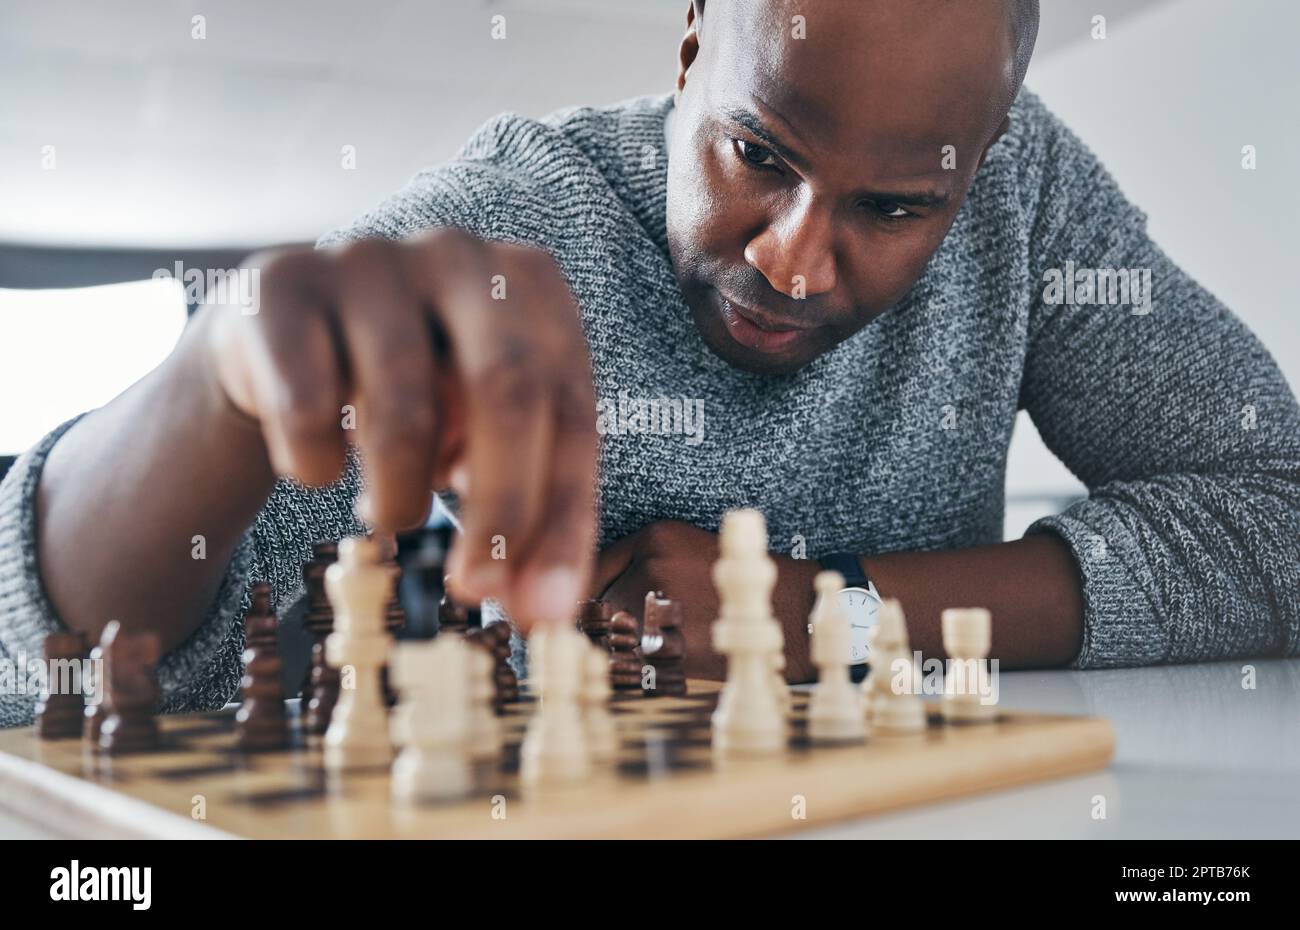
(1197, 756)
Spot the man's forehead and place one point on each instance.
(860, 73)
(863, 20)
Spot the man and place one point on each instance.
(837, 240)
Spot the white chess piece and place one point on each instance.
(485, 737)
(835, 711)
(359, 588)
(555, 748)
(967, 638)
(750, 717)
(598, 722)
(893, 706)
(433, 681)
(782, 690)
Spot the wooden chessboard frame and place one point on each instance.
(73, 792)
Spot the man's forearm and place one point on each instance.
(125, 492)
(1031, 586)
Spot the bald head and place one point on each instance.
(820, 151)
(1022, 16)
(1024, 33)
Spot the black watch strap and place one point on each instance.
(847, 565)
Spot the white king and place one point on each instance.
(751, 710)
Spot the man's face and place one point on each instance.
(807, 186)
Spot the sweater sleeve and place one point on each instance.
(203, 672)
(1175, 417)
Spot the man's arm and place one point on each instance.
(1031, 586)
(137, 511)
(193, 450)
(124, 494)
(1181, 425)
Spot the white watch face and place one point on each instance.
(863, 610)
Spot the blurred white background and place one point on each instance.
(235, 140)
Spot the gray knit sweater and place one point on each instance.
(1178, 421)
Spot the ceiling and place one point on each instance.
(161, 139)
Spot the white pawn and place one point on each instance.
(485, 736)
(601, 732)
(433, 681)
(555, 748)
(750, 718)
(967, 638)
(893, 706)
(835, 711)
(359, 587)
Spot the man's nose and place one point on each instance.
(796, 252)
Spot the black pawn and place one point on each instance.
(261, 721)
(625, 659)
(130, 691)
(59, 709)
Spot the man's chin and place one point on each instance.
(786, 362)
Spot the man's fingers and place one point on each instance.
(498, 325)
(559, 557)
(393, 385)
(294, 368)
(449, 358)
(451, 429)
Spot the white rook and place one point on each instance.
(967, 638)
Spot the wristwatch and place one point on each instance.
(861, 604)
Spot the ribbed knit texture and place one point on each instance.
(1189, 542)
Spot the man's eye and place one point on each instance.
(756, 155)
(889, 209)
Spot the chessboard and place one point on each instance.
(665, 780)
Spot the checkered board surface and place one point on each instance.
(665, 782)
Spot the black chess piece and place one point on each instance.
(394, 614)
(261, 721)
(320, 690)
(323, 692)
(423, 559)
(495, 638)
(453, 616)
(319, 619)
(625, 661)
(61, 705)
(94, 713)
(664, 646)
(130, 691)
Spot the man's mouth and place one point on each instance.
(760, 333)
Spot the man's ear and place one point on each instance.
(1002, 131)
(690, 46)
